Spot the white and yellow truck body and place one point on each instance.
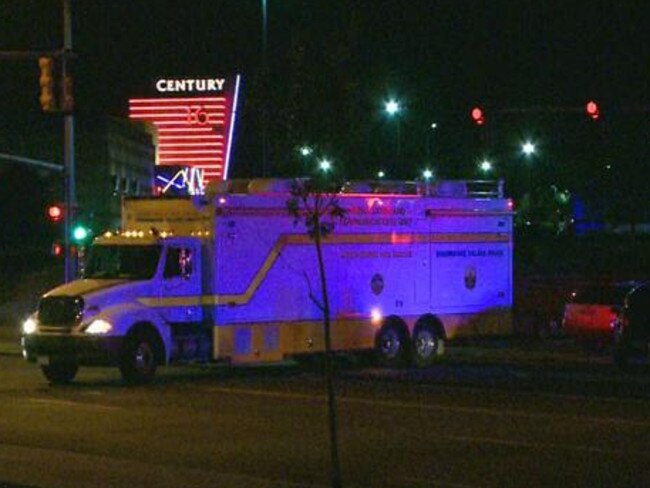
(232, 278)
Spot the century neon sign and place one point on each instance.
(190, 85)
(194, 120)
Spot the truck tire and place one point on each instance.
(139, 359)
(392, 345)
(60, 372)
(427, 344)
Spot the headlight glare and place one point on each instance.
(29, 326)
(99, 326)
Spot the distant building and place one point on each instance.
(114, 158)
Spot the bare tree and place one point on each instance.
(315, 202)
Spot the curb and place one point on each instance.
(10, 352)
(8, 348)
(9, 343)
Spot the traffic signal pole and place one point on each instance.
(68, 131)
(68, 154)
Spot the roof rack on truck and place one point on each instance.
(440, 188)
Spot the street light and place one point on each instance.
(380, 174)
(392, 107)
(305, 151)
(325, 165)
(427, 174)
(528, 148)
(485, 166)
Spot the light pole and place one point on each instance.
(69, 192)
(432, 129)
(306, 153)
(265, 97)
(392, 108)
(70, 207)
(528, 149)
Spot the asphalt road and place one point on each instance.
(466, 423)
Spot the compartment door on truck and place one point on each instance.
(470, 276)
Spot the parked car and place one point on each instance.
(631, 330)
(592, 309)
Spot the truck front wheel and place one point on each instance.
(138, 362)
(60, 372)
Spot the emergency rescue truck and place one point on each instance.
(230, 277)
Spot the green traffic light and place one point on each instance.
(80, 233)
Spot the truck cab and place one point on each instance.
(130, 308)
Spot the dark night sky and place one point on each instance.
(439, 57)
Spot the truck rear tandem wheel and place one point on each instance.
(428, 341)
(395, 348)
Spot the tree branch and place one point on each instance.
(311, 294)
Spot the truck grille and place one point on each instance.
(59, 313)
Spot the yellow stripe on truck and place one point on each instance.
(301, 239)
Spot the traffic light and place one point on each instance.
(57, 249)
(46, 82)
(592, 110)
(478, 116)
(80, 233)
(55, 212)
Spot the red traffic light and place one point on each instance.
(57, 249)
(55, 212)
(592, 109)
(477, 116)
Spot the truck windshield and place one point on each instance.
(125, 262)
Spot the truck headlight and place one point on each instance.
(29, 326)
(98, 327)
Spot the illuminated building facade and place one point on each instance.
(192, 120)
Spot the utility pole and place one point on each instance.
(265, 89)
(66, 106)
(68, 152)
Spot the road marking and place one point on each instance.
(418, 406)
(437, 483)
(51, 402)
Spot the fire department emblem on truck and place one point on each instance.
(377, 284)
(470, 277)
